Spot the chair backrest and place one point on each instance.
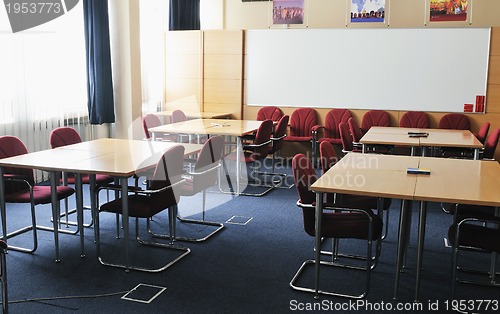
(302, 121)
(279, 133)
(269, 112)
(178, 116)
(11, 146)
(454, 121)
(491, 144)
(150, 121)
(64, 136)
(345, 137)
(169, 170)
(483, 132)
(328, 157)
(332, 120)
(414, 119)
(304, 176)
(263, 135)
(375, 118)
(356, 132)
(209, 157)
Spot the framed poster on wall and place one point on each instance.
(367, 11)
(458, 11)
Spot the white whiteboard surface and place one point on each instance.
(434, 69)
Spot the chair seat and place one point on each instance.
(358, 201)
(41, 195)
(293, 138)
(348, 225)
(246, 157)
(334, 141)
(99, 179)
(476, 236)
(187, 187)
(138, 206)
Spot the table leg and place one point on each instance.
(420, 250)
(402, 242)
(476, 154)
(124, 182)
(79, 210)
(93, 202)
(238, 161)
(2, 206)
(55, 211)
(319, 212)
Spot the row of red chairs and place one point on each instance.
(304, 125)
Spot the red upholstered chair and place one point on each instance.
(414, 119)
(150, 121)
(3, 276)
(490, 145)
(254, 153)
(339, 224)
(269, 112)
(356, 132)
(162, 192)
(203, 176)
(474, 227)
(483, 132)
(277, 139)
(346, 138)
(328, 159)
(178, 116)
(375, 118)
(20, 187)
(454, 121)
(330, 130)
(302, 123)
(63, 136)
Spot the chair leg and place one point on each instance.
(370, 264)
(219, 226)
(3, 278)
(184, 250)
(24, 230)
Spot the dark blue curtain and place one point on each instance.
(184, 15)
(99, 78)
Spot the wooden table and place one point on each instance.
(436, 138)
(116, 157)
(451, 180)
(196, 114)
(236, 128)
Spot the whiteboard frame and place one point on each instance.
(319, 68)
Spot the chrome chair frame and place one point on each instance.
(219, 225)
(370, 263)
(172, 213)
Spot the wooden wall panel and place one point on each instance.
(183, 70)
(223, 66)
(223, 72)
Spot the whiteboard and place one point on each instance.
(438, 69)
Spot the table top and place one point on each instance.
(450, 180)
(459, 181)
(436, 137)
(197, 114)
(210, 126)
(116, 157)
(370, 175)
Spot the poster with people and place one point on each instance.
(288, 11)
(367, 11)
(448, 10)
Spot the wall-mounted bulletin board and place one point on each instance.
(436, 69)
